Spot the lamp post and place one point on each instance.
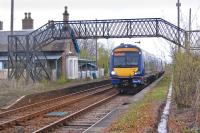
(96, 45)
(11, 30)
(178, 4)
(11, 17)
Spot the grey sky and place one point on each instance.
(44, 10)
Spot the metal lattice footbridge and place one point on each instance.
(25, 51)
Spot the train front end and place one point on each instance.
(126, 67)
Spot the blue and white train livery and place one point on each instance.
(131, 66)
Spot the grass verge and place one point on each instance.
(142, 116)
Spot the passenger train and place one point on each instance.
(130, 66)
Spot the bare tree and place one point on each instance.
(89, 46)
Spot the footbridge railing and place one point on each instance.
(25, 50)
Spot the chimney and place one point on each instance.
(66, 15)
(25, 15)
(29, 15)
(50, 23)
(1, 25)
(27, 22)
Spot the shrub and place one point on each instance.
(186, 70)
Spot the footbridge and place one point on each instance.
(25, 50)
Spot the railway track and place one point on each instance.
(20, 116)
(77, 114)
(84, 120)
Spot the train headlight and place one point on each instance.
(113, 73)
(137, 73)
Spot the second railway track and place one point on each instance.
(21, 116)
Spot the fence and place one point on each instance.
(91, 74)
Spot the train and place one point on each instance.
(130, 67)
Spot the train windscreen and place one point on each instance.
(126, 59)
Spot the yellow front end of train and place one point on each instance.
(126, 72)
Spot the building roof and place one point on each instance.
(49, 56)
(4, 38)
(4, 35)
(57, 45)
(88, 66)
(3, 48)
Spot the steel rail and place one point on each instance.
(66, 119)
(41, 112)
(20, 109)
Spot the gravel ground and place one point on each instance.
(12, 90)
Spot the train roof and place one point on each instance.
(122, 45)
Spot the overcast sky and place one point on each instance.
(44, 10)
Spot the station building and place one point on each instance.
(61, 54)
